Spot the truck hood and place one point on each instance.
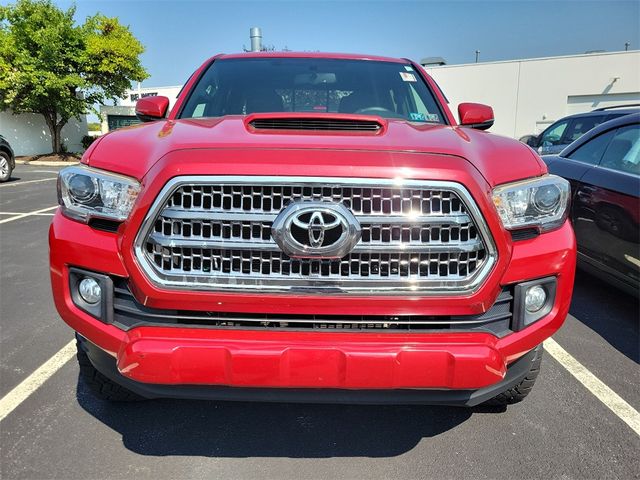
(132, 151)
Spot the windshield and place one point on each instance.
(260, 85)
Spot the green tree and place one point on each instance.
(51, 66)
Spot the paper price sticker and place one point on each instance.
(408, 77)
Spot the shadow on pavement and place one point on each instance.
(239, 429)
(614, 315)
(11, 180)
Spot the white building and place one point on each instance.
(124, 114)
(527, 95)
(28, 134)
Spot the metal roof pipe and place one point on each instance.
(256, 39)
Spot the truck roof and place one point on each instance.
(342, 56)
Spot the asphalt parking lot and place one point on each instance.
(562, 430)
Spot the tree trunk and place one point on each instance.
(50, 120)
(58, 140)
(55, 130)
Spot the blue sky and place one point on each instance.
(179, 35)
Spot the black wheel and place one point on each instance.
(5, 167)
(518, 392)
(100, 385)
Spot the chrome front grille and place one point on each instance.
(214, 233)
(272, 263)
(361, 200)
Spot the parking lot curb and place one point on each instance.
(42, 163)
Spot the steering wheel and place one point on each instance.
(381, 111)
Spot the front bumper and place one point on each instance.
(254, 358)
(107, 365)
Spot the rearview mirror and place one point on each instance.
(314, 78)
(475, 115)
(151, 108)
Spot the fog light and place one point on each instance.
(90, 290)
(535, 298)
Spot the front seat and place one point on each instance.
(616, 152)
(262, 101)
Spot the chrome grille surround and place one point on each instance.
(212, 233)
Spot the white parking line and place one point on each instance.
(28, 214)
(22, 213)
(13, 184)
(611, 399)
(20, 393)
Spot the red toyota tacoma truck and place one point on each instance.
(311, 228)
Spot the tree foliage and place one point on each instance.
(51, 66)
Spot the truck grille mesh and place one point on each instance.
(272, 199)
(252, 262)
(129, 313)
(215, 234)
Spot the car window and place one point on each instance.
(320, 85)
(415, 102)
(591, 151)
(623, 152)
(553, 134)
(579, 126)
(615, 115)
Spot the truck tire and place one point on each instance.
(101, 386)
(518, 392)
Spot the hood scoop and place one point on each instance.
(316, 123)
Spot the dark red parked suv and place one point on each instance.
(311, 227)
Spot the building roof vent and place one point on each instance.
(433, 62)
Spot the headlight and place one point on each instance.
(85, 193)
(540, 202)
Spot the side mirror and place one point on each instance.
(475, 115)
(531, 140)
(152, 108)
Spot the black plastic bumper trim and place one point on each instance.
(103, 310)
(128, 313)
(521, 318)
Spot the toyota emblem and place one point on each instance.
(316, 230)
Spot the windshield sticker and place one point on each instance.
(408, 77)
(433, 117)
(408, 68)
(417, 117)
